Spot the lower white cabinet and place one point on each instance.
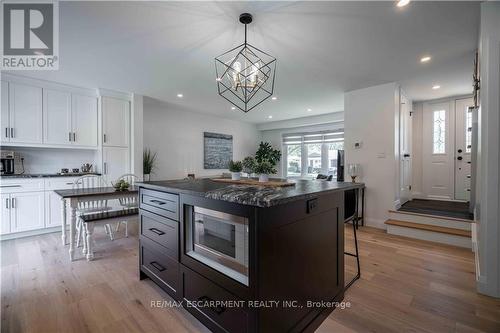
(53, 207)
(5, 223)
(116, 162)
(26, 211)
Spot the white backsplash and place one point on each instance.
(49, 160)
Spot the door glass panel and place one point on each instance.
(439, 132)
(468, 130)
(293, 160)
(313, 159)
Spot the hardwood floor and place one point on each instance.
(406, 286)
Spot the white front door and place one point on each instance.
(438, 150)
(405, 149)
(463, 146)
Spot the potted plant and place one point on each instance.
(148, 163)
(235, 168)
(266, 159)
(248, 165)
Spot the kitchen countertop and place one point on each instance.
(47, 175)
(259, 196)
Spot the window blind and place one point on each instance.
(313, 137)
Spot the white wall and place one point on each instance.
(176, 135)
(52, 160)
(488, 170)
(371, 116)
(275, 136)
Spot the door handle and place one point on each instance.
(157, 266)
(157, 231)
(158, 202)
(216, 309)
(459, 151)
(406, 155)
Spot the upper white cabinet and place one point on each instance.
(115, 122)
(69, 118)
(22, 114)
(84, 120)
(57, 117)
(4, 117)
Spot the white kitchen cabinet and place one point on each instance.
(5, 209)
(25, 113)
(115, 122)
(57, 127)
(53, 207)
(27, 211)
(116, 163)
(4, 116)
(84, 120)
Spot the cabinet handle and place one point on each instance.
(6, 132)
(105, 168)
(157, 231)
(7, 203)
(69, 136)
(13, 203)
(157, 266)
(216, 309)
(158, 202)
(4, 186)
(104, 138)
(11, 132)
(74, 137)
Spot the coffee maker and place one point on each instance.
(10, 162)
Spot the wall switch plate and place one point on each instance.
(311, 205)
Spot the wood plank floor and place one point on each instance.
(406, 286)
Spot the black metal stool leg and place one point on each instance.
(356, 255)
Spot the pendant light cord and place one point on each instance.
(245, 33)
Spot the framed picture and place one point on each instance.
(217, 149)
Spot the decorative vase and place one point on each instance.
(235, 175)
(263, 178)
(147, 177)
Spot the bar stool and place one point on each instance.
(351, 215)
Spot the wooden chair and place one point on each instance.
(89, 207)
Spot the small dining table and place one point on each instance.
(70, 200)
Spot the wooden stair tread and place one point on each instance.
(427, 227)
(432, 216)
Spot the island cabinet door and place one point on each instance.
(300, 261)
(161, 268)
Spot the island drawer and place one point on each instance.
(161, 230)
(220, 310)
(160, 267)
(161, 203)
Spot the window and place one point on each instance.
(309, 154)
(293, 160)
(439, 132)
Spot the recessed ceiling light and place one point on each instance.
(233, 108)
(270, 117)
(435, 87)
(425, 59)
(402, 3)
(309, 110)
(180, 95)
(274, 98)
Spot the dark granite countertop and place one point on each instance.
(259, 196)
(95, 191)
(47, 175)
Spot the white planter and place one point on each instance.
(263, 178)
(235, 175)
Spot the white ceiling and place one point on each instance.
(323, 49)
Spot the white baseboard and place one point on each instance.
(30, 233)
(375, 223)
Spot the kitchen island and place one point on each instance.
(246, 258)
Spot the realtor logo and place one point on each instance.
(30, 35)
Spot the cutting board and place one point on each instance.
(254, 182)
